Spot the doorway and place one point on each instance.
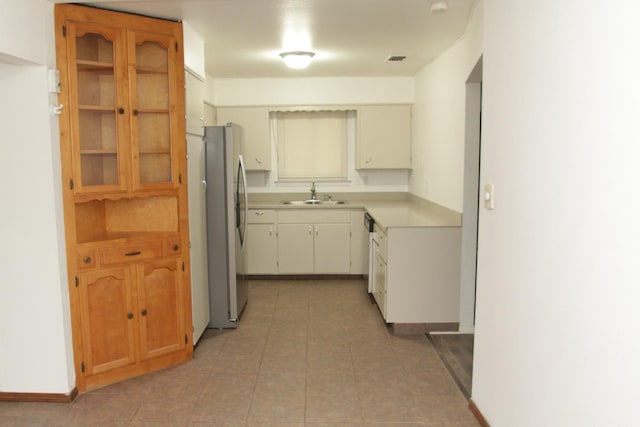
(471, 198)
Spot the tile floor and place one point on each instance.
(306, 353)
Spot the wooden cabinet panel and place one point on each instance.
(160, 305)
(107, 314)
(131, 253)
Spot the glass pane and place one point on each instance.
(155, 168)
(153, 132)
(96, 91)
(152, 91)
(94, 47)
(151, 55)
(153, 118)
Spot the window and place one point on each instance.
(311, 145)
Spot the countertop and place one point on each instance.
(388, 210)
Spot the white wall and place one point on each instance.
(35, 332)
(320, 91)
(557, 337)
(314, 91)
(439, 119)
(22, 31)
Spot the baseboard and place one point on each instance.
(476, 413)
(39, 397)
(304, 276)
(421, 328)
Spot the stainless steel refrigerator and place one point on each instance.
(226, 224)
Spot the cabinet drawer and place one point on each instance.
(261, 216)
(130, 253)
(381, 238)
(321, 216)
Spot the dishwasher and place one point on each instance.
(373, 246)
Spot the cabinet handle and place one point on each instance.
(366, 162)
(135, 112)
(120, 110)
(317, 229)
(144, 312)
(134, 253)
(270, 231)
(87, 260)
(258, 161)
(176, 247)
(129, 316)
(310, 231)
(259, 213)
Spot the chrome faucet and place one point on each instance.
(313, 190)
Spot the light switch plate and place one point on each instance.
(488, 196)
(54, 81)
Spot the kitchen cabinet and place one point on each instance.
(417, 274)
(122, 136)
(261, 250)
(383, 137)
(314, 241)
(129, 314)
(255, 134)
(194, 106)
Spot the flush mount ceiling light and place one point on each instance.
(439, 7)
(297, 59)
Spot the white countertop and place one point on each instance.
(406, 212)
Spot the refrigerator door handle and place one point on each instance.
(243, 223)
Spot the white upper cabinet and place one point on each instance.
(194, 89)
(254, 123)
(384, 137)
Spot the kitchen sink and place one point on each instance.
(313, 202)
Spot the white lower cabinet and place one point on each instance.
(417, 274)
(314, 241)
(261, 255)
(295, 248)
(331, 248)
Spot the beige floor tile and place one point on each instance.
(333, 408)
(306, 353)
(280, 407)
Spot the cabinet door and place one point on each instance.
(256, 140)
(295, 248)
(332, 253)
(262, 249)
(161, 307)
(194, 106)
(98, 119)
(108, 319)
(384, 137)
(153, 81)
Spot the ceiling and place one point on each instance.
(243, 38)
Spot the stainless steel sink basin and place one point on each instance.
(313, 202)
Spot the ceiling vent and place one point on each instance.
(396, 58)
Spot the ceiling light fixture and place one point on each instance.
(297, 59)
(438, 7)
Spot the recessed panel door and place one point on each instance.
(160, 307)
